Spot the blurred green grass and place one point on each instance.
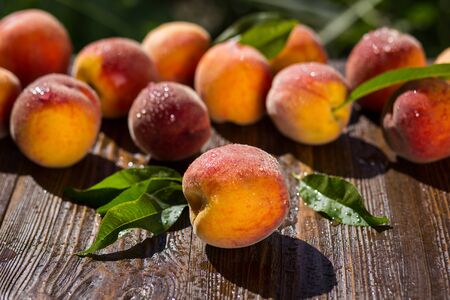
(341, 23)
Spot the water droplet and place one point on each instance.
(313, 74)
(138, 115)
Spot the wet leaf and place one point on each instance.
(395, 77)
(148, 212)
(338, 199)
(110, 187)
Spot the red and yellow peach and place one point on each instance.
(302, 103)
(33, 43)
(117, 69)
(416, 120)
(9, 91)
(237, 195)
(233, 81)
(55, 120)
(377, 52)
(169, 121)
(176, 48)
(303, 45)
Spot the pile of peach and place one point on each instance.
(55, 119)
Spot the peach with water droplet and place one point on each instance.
(176, 48)
(237, 195)
(169, 121)
(303, 100)
(233, 81)
(55, 120)
(377, 52)
(117, 69)
(416, 120)
(33, 43)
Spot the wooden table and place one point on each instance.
(308, 256)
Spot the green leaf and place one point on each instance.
(394, 77)
(267, 32)
(156, 186)
(110, 187)
(244, 24)
(268, 37)
(338, 199)
(147, 212)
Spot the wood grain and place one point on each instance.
(307, 257)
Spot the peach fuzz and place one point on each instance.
(176, 48)
(9, 91)
(416, 120)
(301, 103)
(237, 195)
(117, 69)
(303, 45)
(377, 52)
(169, 121)
(233, 81)
(33, 43)
(55, 120)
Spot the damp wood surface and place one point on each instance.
(307, 257)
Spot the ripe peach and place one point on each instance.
(233, 80)
(377, 52)
(416, 120)
(237, 195)
(444, 57)
(169, 121)
(117, 69)
(303, 45)
(33, 43)
(55, 120)
(301, 103)
(9, 91)
(176, 49)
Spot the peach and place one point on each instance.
(302, 103)
(169, 121)
(33, 43)
(416, 120)
(176, 49)
(55, 120)
(117, 69)
(303, 45)
(233, 80)
(9, 91)
(444, 57)
(237, 195)
(377, 52)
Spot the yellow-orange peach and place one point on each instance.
(377, 52)
(55, 120)
(302, 103)
(9, 91)
(176, 48)
(237, 195)
(117, 69)
(443, 57)
(169, 121)
(33, 43)
(303, 45)
(233, 81)
(416, 120)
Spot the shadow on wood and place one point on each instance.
(279, 267)
(88, 171)
(147, 248)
